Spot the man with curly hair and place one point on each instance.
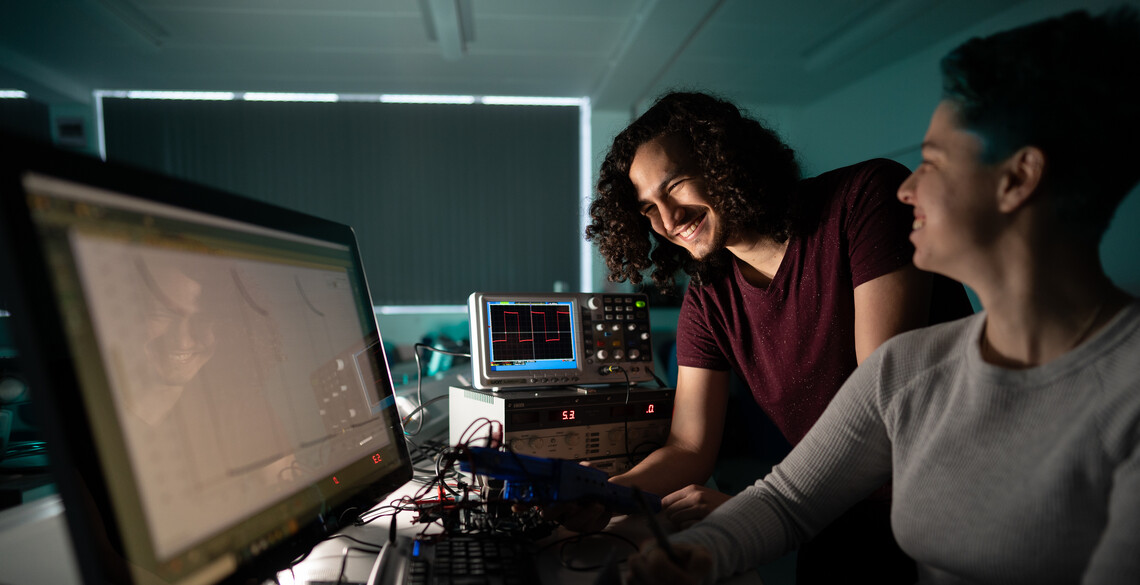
(793, 283)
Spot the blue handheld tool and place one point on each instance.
(539, 480)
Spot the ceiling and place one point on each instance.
(619, 53)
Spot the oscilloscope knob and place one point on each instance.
(601, 354)
(634, 354)
(618, 354)
(631, 326)
(594, 303)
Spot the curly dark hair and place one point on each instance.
(1067, 86)
(749, 173)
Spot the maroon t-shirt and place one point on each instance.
(793, 342)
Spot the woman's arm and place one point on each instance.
(1115, 558)
(844, 457)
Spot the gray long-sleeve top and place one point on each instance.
(1000, 476)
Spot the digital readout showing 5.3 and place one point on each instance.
(587, 415)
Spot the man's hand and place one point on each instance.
(651, 565)
(689, 505)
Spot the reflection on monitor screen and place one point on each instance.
(229, 373)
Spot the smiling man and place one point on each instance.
(793, 283)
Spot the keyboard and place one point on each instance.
(466, 559)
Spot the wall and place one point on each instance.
(886, 115)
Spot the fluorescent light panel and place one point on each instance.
(180, 95)
(255, 96)
(389, 98)
(503, 100)
(419, 309)
(12, 94)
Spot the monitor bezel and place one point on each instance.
(44, 354)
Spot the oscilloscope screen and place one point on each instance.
(532, 335)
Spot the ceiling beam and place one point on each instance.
(41, 83)
(656, 35)
(449, 23)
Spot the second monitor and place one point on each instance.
(522, 340)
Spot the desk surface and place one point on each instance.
(325, 562)
(39, 551)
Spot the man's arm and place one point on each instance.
(888, 305)
(689, 455)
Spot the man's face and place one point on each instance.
(954, 195)
(180, 336)
(671, 193)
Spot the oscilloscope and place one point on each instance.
(558, 339)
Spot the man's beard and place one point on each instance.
(717, 243)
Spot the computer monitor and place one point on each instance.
(212, 380)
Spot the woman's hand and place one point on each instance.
(651, 565)
(691, 504)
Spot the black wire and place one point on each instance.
(344, 559)
(23, 448)
(422, 406)
(419, 381)
(563, 543)
(625, 420)
(356, 540)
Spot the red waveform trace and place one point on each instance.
(518, 326)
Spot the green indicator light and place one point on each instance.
(640, 304)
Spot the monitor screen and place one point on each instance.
(210, 366)
(535, 335)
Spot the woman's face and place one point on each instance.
(954, 195)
